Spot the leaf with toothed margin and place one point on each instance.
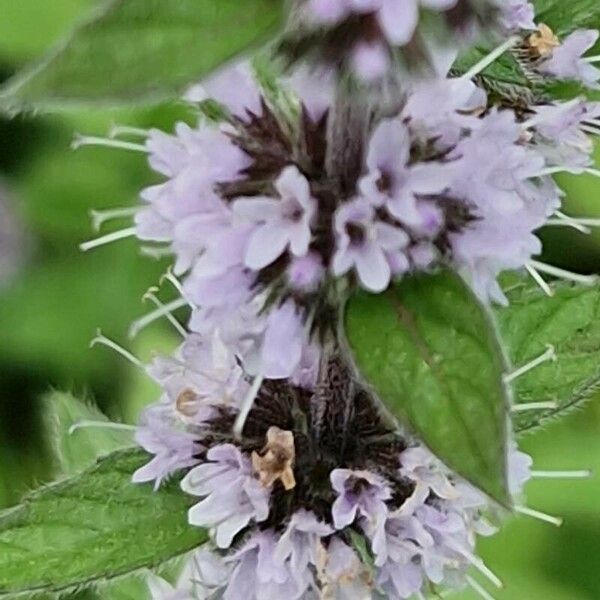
(570, 322)
(429, 350)
(93, 529)
(142, 52)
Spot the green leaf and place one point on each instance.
(142, 51)
(93, 529)
(76, 450)
(564, 17)
(429, 350)
(569, 321)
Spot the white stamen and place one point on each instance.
(247, 405)
(120, 130)
(562, 274)
(160, 312)
(540, 516)
(594, 172)
(566, 220)
(84, 424)
(584, 474)
(478, 564)
(550, 354)
(590, 130)
(592, 59)
(89, 140)
(99, 217)
(149, 295)
(551, 171)
(156, 252)
(170, 277)
(490, 58)
(115, 236)
(479, 589)
(525, 407)
(104, 341)
(539, 280)
(584, 221)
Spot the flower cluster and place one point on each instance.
(278, 205)
(369, 37)
(314, 471)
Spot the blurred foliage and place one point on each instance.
(50, 311)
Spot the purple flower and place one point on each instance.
(517, 14)
(563, 142)
(258, 576)
(299, 544)
(160, 589)
(519, 470)
(567, 60)
(419, 465)
(346, 578)
(173, 449)
(234, 87)
(279, 223)
(233, 496)
(360, 494)
(395, 184)
(364, 243)
(306, 273)
(284, 342)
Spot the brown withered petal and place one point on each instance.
(276, 461)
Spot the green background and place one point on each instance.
(51, 308)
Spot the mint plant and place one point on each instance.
(341, 418)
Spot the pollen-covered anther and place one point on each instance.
(187, 403)
(542, 43)
(276, 462)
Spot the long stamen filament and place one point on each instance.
(562, 274)
(115, 236)
(89, 140)
(99, 217)
(156, 252)
(540, 516)
(149, 295)
(527, 406)
(104, 341)
(549, 355)
(479, 565)
(539, 280)
(592, 59)
(479, 589)
(121, 130)
(170, 277)
(160, 312)
(247, 405)
(85, 424)
(584, 474)
(490, 58)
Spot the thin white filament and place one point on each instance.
(540, 516)
(104, 341)
(479, 565)
(549, 355)
(562, 274)
(479, 589)
(592, 59)
(531, 406)
(121, 130)
(85, 424)
(583, 474)
(484, 63)
(247, 405)
(99, 217)
(160, 312)
(109, 238)
(170, 277)
(539, 280)
(168, 314)
(89, 140)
